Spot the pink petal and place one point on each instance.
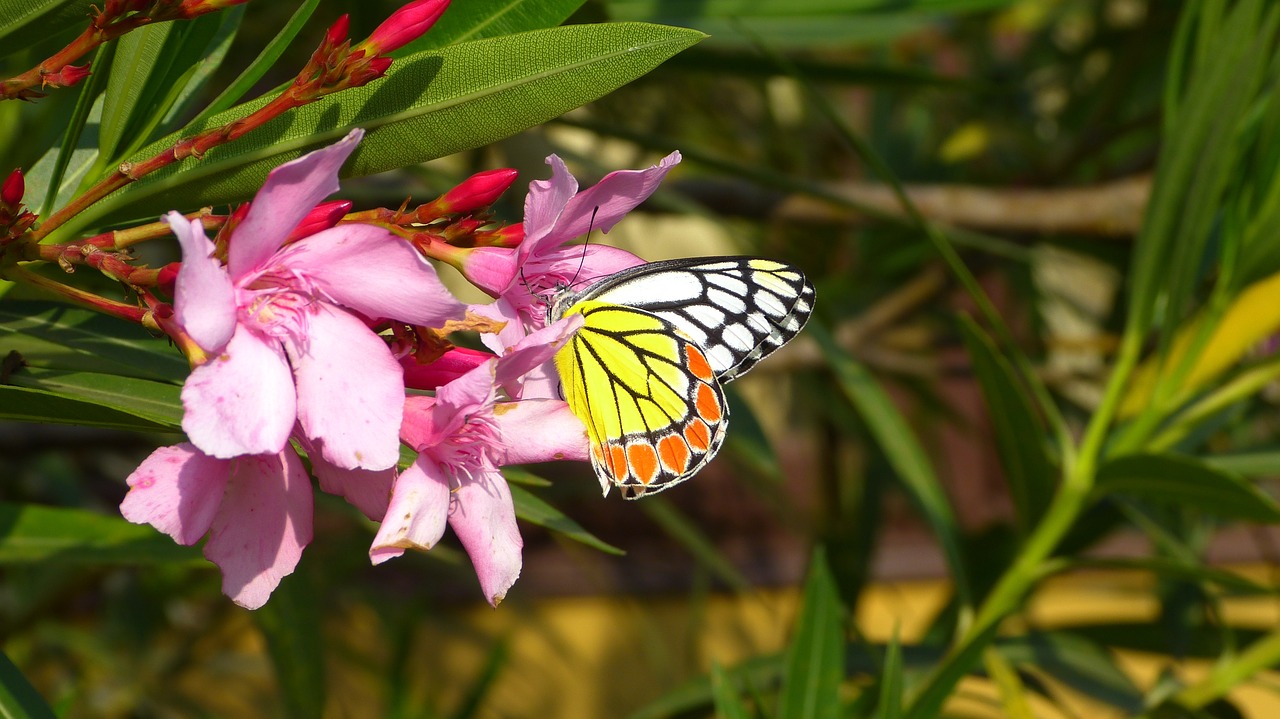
(463, 396)
(262, 526)
(539, 430)
(532, 351)
(417, 515)
(543, 205)
(288, 195)
(177, 490)
(483, 516)
(350, 391)
(367, 490)
(492, 269)
(242, 401)
(204, 301)
(501, 310)
(375, 273)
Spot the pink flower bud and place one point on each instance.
(13, 189)
(324, 216)
(479, 190)
(405, 25)
(193, 8)
(338, 31)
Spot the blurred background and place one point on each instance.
(1027, 129)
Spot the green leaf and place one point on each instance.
(815, 659)
(694, 540)
(18, 699)
(429, 105)
(245, 81)
(290, 621)
(1264, 463)
(30, 21)
(532, 509)
(1179, 570)
(27, 405)
(477, 19)
(1188, 483)
(748, 441)
(150, 72)
(54, 336)
(725, 692)
(890, 704)
(34, 533)
(156, 402)
(1076, 662)
(697, 694)
(1020, 435)
(799, 23)
(900, 446)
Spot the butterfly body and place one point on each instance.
(644, 373)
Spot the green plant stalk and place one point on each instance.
(1262, 654)
(1079, 470)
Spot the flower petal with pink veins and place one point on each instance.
(483, 516)
(177, 490)
(350, 391)
(242, 401)
(204, 302)
(373, 272)
(539, 430)
(290, 192)
(492, 269)
(417, 515)
(262, 526)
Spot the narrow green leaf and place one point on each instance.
(1176, 569)
(157, 402)
(691, 537)
(18, 404)
(56, 336)
(257, 69)
(188, 92)
(477, 19)
(729, 704)
(1013, 696)
(1188, 483)
(290, 621)
(154, 67)
(696, 696)
(429, 105)
(35, 533)
(748, 441)
(1076, 662)
(18, 699)
(927, 703)
(28, 22)
(1020, 435)
(525, 477)
(532, 509)
(1247, 464)
(890, 703)
(815, 659)
(901, 448)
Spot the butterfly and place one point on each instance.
(645, 371)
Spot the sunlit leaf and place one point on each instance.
(535, 511)
(18, 699)
(35, 533)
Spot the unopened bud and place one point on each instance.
(322, 217)
(404, 26)
(13, 190)
(66, 77)
(478, 191)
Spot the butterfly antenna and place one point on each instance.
(583, 259)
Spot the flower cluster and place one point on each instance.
(304, 325)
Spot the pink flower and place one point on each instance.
(284, 326)
(404, 26)
(256, 510)
(463, 435)
(555, 213)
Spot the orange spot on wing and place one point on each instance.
(674, 453)
(697, 363)
(644, 462)
(617, 462)
(704, 400)
(698, 435)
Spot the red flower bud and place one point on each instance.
(405, 25)
(14, 188)
(338, 31)
(322, 217)
(479, 190)
(66, 77)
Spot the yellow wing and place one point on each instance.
(654, 412)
